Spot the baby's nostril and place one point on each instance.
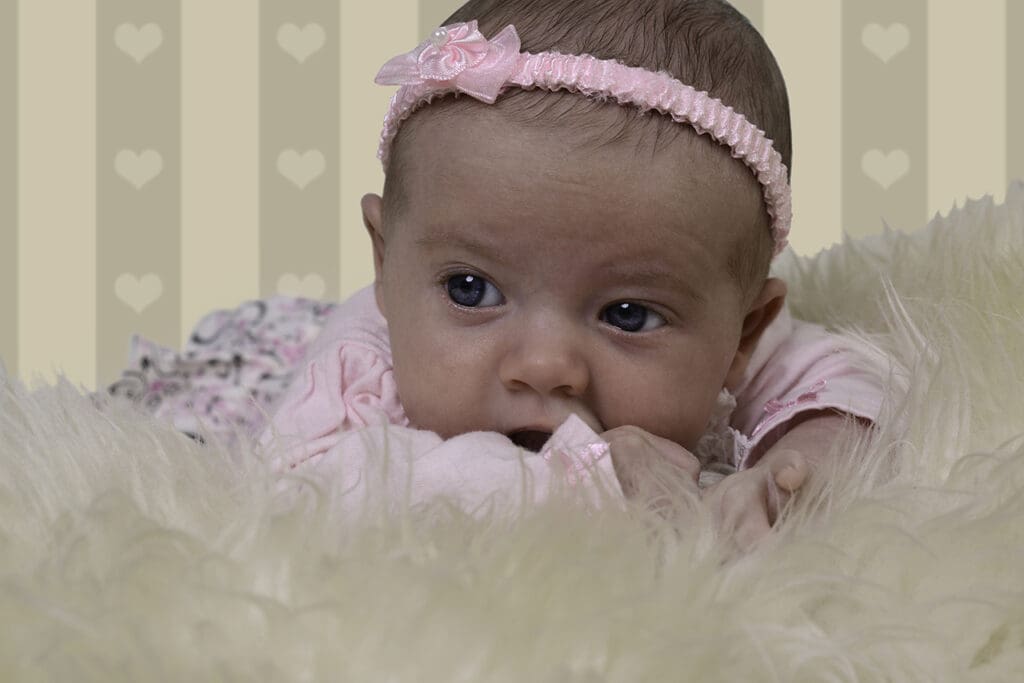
(530, 439)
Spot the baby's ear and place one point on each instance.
(764, 309)
(373, 218)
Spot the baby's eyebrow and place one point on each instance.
(647, 275)
(449, 239)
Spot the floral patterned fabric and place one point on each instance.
(232, 369)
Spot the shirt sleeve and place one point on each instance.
(799, 367)
(345, 382)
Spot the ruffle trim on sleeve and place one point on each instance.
(346, 386)
(721, 447)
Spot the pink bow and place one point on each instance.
(457, 57)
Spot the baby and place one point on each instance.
(574, 239)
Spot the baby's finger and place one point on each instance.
(751, 527)
(636, 453)
(669, 451)
(729, 499)
(789, 470)
(738, 511)
(739, 508)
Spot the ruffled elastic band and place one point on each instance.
(457, 58)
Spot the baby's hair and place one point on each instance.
(706, 44)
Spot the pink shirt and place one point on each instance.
(343, 406)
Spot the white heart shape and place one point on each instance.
(885, 169)
(310, 287)
(301, 43)
(138, 293)
(138, 169)
(300, 169)
(885, 43)
(138, 43)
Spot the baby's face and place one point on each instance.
(528, 278)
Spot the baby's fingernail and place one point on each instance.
(788, 477)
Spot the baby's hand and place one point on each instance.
(649, 467)
(746, 504)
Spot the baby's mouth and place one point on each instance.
(530, 439)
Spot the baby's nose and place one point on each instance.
(546, 363)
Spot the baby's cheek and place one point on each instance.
(428, 387)
(414, 380)
(662, 402)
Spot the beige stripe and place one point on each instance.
(299, 138)
(9, 187)
(57, 162)
(815, 107)
(966, 102)
(363, 104)
(885, 115)
(138, 177)
(219, 119)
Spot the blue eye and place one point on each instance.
(472, 291)
(631, 317)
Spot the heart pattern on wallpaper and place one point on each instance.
(885, 42)
(138, 293)
(301, 169)
(138, 169)
(311, 286)
(303, 42)
(885, 169)
(138, 43)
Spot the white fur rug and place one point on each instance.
(129, 552)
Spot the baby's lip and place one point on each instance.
(535, 427)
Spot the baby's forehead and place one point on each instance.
(682, 172)
(673, 206)
(561, 129)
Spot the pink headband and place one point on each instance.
(457, 58)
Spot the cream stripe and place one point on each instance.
(432, 14)
(966, 102)
(1014, 92)
(363, 104)
(810, 62)
(219, 165)
(56, 166)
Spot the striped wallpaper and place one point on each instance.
(162, 158)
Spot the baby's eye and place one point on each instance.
(630, 317)
(473, 291)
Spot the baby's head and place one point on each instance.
(553, 253)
